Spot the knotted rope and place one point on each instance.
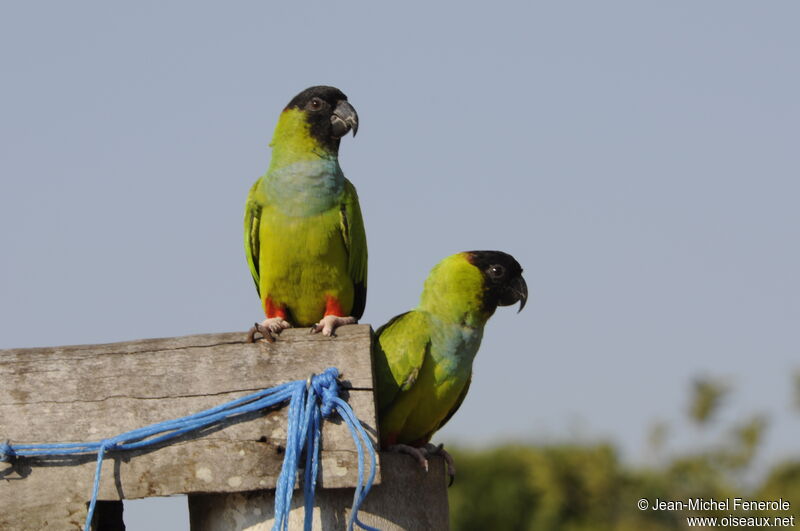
(309, 402)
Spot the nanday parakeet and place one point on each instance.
(424, 357)
(303, 231)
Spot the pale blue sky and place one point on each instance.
(640, 159)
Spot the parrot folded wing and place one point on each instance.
(355, 241)
(402, 347)
(457, 405)
(252, 224)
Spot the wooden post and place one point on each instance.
(407, 498)
(87, 393)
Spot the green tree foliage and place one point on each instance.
(582, 487)
(783, 482)
(585, 487)
(707, 397)
(536, 488)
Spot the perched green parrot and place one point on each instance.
(303, 231)
(424, 357)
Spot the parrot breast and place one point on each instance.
(304, 264)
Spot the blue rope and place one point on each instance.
(309, 402)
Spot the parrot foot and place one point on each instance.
(420, 454)
(450, 463)
(330, 323)
(268, 327)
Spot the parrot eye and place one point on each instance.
(315, 104)
(497, 271)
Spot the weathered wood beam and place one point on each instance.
(90, 392)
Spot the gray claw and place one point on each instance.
(448, 460)
(265, 334)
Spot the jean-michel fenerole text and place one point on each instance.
(727, 504)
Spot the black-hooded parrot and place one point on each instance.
(303, 231)
(424, 357)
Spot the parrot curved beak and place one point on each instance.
(516, 291)
(343, 119)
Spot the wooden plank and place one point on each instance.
(408, 499)
(86, 393)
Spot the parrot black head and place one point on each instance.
(502, 279)
(328, 114)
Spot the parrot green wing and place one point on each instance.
(355, 241)
(457, 405)
(252, 222)
(401, 347)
